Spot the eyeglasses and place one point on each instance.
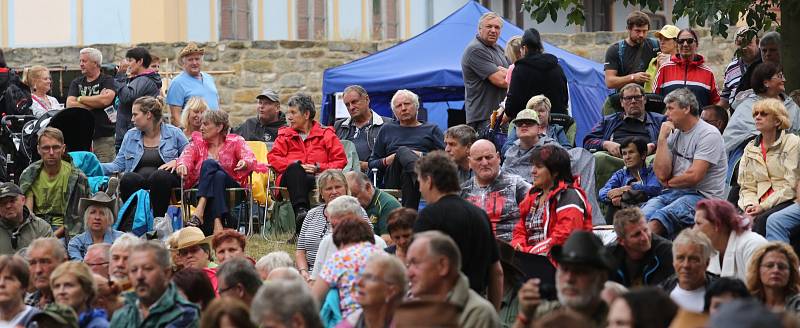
(222, 290)
(687, 41)
(525, 123)
(633, 98)
(96, 264)
(370, 277)
(188, 250)
(778, 76)
(770, 265)
(760, 113)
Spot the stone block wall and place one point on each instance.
(297, 66)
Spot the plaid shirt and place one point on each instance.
(500, 199)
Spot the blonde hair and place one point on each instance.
(106, 212)
(193, 103)
(776, 108)
(29, 75)
(754, 283)
(331, 175)
(514, 48)
(82, 273)
(539, 101)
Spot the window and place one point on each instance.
(512, 12)
(597, 15)
(311, 16)
(384, 19)
(235, 20)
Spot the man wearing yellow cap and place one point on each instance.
(191, 83)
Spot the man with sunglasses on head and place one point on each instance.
(18, 226)
(633, 121)
(746, 55)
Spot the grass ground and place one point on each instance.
(257, 246)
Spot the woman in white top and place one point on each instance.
(730, 235)
(38, 79)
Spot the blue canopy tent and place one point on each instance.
(429, 64)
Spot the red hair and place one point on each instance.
(721, 213)
(225, 235)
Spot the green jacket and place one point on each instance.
(598, 319)
(171, 310)
(379, 208)
(30, 229)
(77, 186)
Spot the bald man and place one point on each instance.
(496, 192)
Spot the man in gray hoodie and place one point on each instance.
(137, 81)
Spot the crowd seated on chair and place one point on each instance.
(213, 161)
(302, 151)
(269, 119)
(99, 213)
(362, 126)
(149, 155)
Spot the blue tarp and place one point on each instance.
(430, 65)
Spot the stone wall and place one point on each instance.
(294, 66)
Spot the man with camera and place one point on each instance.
(583, 265)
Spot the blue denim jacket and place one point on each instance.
(78, 244)
(172, 143)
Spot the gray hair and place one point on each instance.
(395, 271)
(770, 38)
(328, 175)
(359, 178)
(489, 15)
(343, 205)
(464, 134)
(55, 246)
(440, 244)
(286, 274)
(357, 88)
(685, 99)
(94, 55)
(692, 237)
(304, 104)
(126, 242)
(274, 260)
(406, 93)
(103, 248)
(105, 210)
(218, 117)
(161, 253)
(282, 300)
(239, 270)
(631, 86)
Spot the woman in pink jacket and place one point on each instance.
(213, 161)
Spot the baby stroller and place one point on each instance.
(77, 125)
(12, 161)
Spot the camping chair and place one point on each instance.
(353, 163)
(655, 103)
(568, 123)
(259, 183)
(187, 198)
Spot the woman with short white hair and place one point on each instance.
(272, 261)
(98, 217)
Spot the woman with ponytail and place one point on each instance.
(730, 235)
(148, 156)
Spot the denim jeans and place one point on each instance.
(781, 224)
(674, 209)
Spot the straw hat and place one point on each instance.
(190, 49)
(190, 236)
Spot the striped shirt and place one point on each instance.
(733, 74)
(315, 227)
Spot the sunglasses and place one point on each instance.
(686, 41)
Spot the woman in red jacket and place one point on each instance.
(302, 150)
(554, 207)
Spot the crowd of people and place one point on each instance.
(679, 207)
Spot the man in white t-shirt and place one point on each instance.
(691, 252)
(690, 163)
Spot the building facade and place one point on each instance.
(51, 23)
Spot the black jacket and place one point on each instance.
(657, 262)
(253, 130)
(669, 284)
(533, 75)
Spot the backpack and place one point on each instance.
(136, 215)
(15, 98)
(621, 51)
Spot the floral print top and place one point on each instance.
(343, 269)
